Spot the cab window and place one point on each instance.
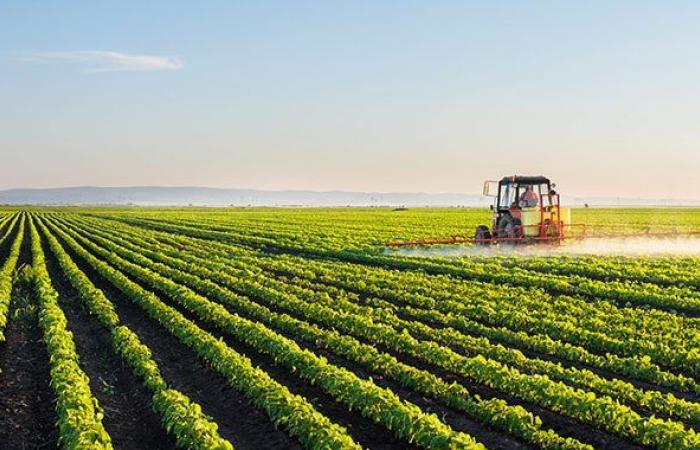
(507, 195)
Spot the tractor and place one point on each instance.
(525, 209)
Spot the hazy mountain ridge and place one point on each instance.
(203, 196)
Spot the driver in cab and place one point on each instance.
(528, 199)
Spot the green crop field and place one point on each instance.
(262, 328)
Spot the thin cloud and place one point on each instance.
(104, 61)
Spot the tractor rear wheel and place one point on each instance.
(509, 228)
(482, 235)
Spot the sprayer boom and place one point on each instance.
(575, 232)
(527, 210)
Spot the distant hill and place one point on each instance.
(202, 196)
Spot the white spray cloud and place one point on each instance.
(632, 246)
(104, 60)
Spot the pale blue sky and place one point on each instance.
(382, 96)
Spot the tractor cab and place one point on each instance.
(525, 208)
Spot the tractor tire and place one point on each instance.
(509, 228)
(482, 234)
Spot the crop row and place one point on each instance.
(673, 273)
(495, 412)
(653, 400)
(636, 293)
(7, 269)
(503, 310)
(180, 416)
(636, 368)
(596, 316)
(380, 405)
(290, 412)
(599, 411)
(491, 315)
(79, 415)
(518, 311)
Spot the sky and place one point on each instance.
(430, 96)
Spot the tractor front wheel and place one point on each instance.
(509, 228)
(482, 235)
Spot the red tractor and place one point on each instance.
(525, 209)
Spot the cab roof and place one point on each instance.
(525, 179)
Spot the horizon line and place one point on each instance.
(339, 191)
